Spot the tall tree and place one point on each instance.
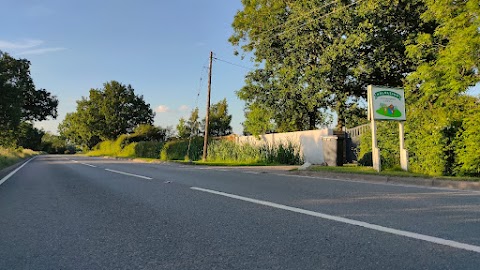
(220, 119)
(440, 113)
(106, 114)
(20, 100)
(320, 55)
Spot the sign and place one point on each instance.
(386, 103)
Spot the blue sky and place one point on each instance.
(159, 47)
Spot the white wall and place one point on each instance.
(310, 142)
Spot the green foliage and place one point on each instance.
(177, 149)
(149, 149)
(228, 151)
(11, 156)
(448, 58)
(468, 145)
(388, 142)
(314, 64)
(128, 151)
(146, 133)
(106, 114)
(21, 102)
(54, 144)
(190, 127)
(258, 120)
(219, 119)
(29, 137)
(182, 129)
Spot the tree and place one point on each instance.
(182, 129)
(219, 120)
(106, 114)
(29, 137)
(258, 120)
(321, 55)
(146, 133)
(441, 125)
(189, 127)
(20, 101)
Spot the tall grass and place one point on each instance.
(227, 151)
(9, 157)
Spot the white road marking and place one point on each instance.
(129, 174)
(16, 170)
(375, 227)
(86, 164)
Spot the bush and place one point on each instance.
(128, 151)
(110, 148)
(148, 149)
(177, 150)
(388, 142)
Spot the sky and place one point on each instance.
(161, 48)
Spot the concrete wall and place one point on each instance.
(315, 145)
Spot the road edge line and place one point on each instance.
(4, 179)
(407, 234)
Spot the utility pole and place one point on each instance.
(205, 138)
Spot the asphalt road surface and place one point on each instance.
(71, 212)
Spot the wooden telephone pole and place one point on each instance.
(205, 138)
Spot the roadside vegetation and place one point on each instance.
(310, 70)
(9, 157)
(21, 103)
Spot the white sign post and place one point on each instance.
(387, 104)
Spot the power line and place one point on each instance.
(233, 64)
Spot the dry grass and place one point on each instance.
(9, 157)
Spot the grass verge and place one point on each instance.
(9, 157)
(226, 164)
(388, 172)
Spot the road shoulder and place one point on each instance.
(416, 181)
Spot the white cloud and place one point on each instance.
(41, 51)
(184, 108)
(26, 44)
(162, 109)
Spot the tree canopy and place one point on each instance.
(318, 56)
(20, 100)
(107, 113)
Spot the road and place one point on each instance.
(72, 212)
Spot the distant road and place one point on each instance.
(70, 212)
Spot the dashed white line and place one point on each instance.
(129, 174)
(90, 165)
(375, 227)
(16, 170)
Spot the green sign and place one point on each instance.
(386, 103)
